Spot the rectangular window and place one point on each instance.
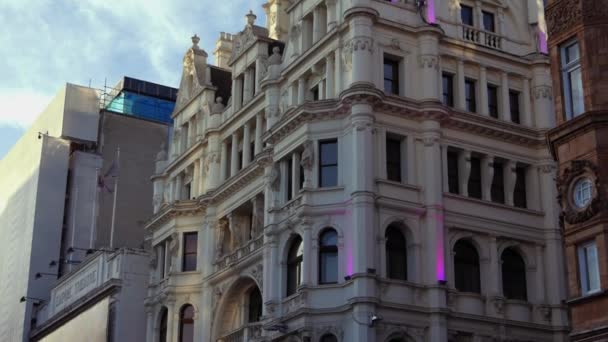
(493, 101)
(161, 260)
(448, 89)
(190, 248)
(289, 179)
(328, 166)
(572, 81)
(589, 268)
(514, 106)
(475, 178)
(453, 178)
(488, 21)
(187, 191)
(393, 158)
(469, 89)
(391, 76)
(466, 13)
(315, 93)
(519, 194)
(498, 184)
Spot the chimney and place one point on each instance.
(223, 50)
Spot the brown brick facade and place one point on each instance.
(578, 141)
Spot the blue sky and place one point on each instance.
(50, 42)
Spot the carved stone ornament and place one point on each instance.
(428, 61)
(275, 58)
(578, 170)
(499, 304)
(218, 106)
(308, 156)
(543, 91)
(562, 16)
(258, 274)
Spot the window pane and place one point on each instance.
(576, 88)
(572, 53)
(466, 14)
(190, 242)
(453, 172)
(329, 267)
(475, 178)
(514, 106)
(519, 194)
(498, 190)
(493, 101)
(488, 21)
(393, 159)
(593, 268)
(470, 96)
(329, 238)
(448, 87)
(329, 176)
(329, 153)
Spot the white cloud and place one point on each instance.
(95, 40)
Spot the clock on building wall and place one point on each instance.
(579, 191)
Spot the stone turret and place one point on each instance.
(223, 50)
(277, 20)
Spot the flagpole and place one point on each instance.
(114, 204)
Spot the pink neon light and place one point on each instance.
(430, 11)
(440, 253)
(542, 42)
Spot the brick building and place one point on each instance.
(578, 44)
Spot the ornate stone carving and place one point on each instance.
(275, 58)
(542, 91)
(258, 274)
(360, 44)
(562, 16)
(222, 227)
(211, 158)
(263, 65)
(565, 183)
(545, 312)
(218, 106)
(308, 155)
(499, 305)
(428, 61)
(162, 154)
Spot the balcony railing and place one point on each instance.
(249, 332)
(481, 37)
(240, 253)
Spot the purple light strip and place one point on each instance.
(430, 12)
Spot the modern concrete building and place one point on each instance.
(100, 301)
(379, 172)
(579, 58)
(57, 190)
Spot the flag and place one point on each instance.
(111, 173)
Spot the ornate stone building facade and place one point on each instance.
(578, 43)
(362, 170)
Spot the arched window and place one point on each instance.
(255, 305)
(294, 266)
(328, 257)
(186, 323)
(466, 267)
(328, 338)
(513, 275)
(162, 326)
(396, 254)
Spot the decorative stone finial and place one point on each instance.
(250, 17)
(275, 58)
(218, 106)
(195, 40)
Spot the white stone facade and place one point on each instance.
(313, 149)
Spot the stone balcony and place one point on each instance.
(248, 332)
(239, 254)
(481, 37)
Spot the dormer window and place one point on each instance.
(466, 13)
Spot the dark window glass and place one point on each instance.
(190, 252)
(396, 254)
(329, 338)
(161, 260)
(391, 76)
(488, 21)
(514, 106)
(301, 175)
(328, 257)
(475, 178)
(315, 93)
(466, 13)
(493, 101)
(453, 181)
(162, 326)
(469, 88)
(448, 89)
(498, 184)
(289, 179)
(466, 267)
(252, 150)
(186, 324)
(187, 191)
(294, 266)
(519, 195)
(393, 159)
(328, 170)
(513, 275)
(255, 305)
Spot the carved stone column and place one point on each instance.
(482, 91)
(196, 179)
(505, 105)
(234, 154)
(464, 171)
(301, 90)
(246, 145)
(526, 118)
(510, 178)
(247, 85)
(428, 45)
(487, 176)
(224, 161)
(295, 174)
(332, 20)
(542, 92)
(460, 100)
